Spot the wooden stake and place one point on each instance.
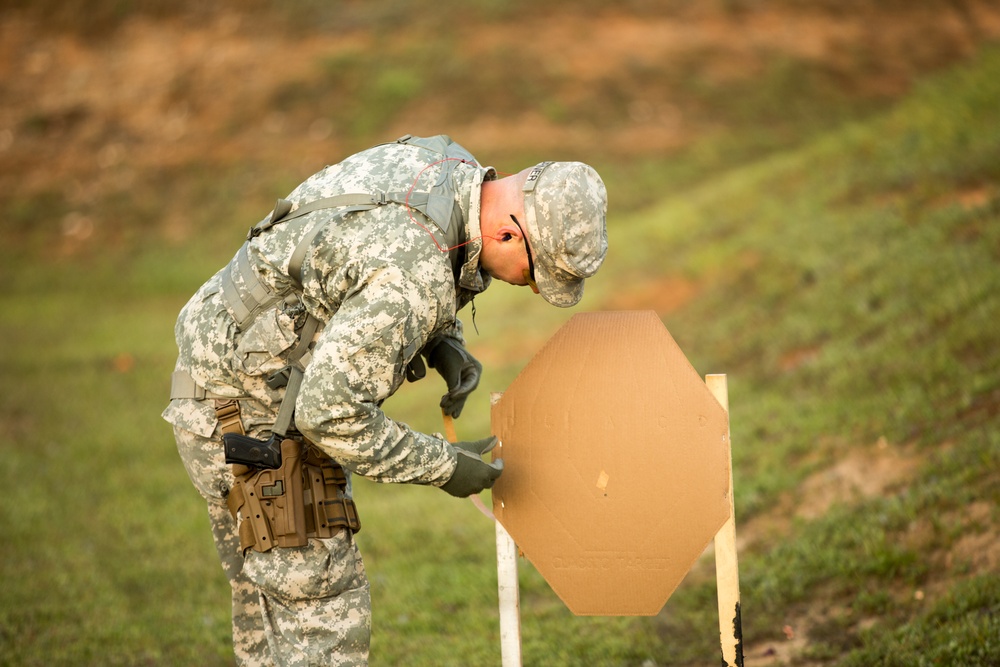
(727, 574)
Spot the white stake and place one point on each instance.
(507, 588)
(727, 572)
(510, 604)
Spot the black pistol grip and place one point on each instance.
(251, 451)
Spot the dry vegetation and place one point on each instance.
(100, 106)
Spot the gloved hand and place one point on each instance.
(472, 474)
(460, 371)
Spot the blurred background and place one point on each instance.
(806, 192)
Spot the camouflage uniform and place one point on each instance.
(383, 283)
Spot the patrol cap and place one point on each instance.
(566, 206)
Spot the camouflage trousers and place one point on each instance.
(292, 607)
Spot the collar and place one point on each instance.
(471, 275)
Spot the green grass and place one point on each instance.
(847, 284)
(961, 629)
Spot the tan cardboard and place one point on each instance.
(616, 459)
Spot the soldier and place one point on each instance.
(336, 297)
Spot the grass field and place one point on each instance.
(845, 279)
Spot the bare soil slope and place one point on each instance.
(89, 116)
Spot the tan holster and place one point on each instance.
(284, 507)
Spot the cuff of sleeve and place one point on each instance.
(448, 470)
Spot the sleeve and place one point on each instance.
(453, 331)
(358, 362)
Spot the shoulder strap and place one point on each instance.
(246, 298)
(295, 373)
(246, 303)
(283, 208)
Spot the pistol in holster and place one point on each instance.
(286, 492)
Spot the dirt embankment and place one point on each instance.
(89, 117)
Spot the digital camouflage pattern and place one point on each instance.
(382, 284)
(565, 206)
(303, 606)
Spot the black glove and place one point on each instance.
(472, 474)
(460, 371)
